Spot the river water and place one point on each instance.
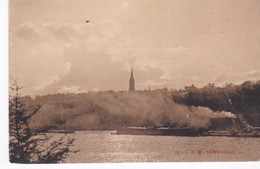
(102, 146)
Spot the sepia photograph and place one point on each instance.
(133, 81)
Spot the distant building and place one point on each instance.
(131, 82)
(191, 88)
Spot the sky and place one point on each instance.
(168, 43)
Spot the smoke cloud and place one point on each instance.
(113, 109)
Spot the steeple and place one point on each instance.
(132, 81)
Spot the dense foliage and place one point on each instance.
(25, 144)
(240, 99)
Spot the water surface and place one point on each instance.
(102, 146)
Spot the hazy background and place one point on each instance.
(169, 43)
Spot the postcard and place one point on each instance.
(127, 81)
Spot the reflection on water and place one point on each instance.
(102, 146)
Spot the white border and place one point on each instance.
(4, 81)
(4, 161)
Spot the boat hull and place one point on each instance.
(152, 131)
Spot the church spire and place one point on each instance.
(132, 81)
(132, 76)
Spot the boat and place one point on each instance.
(166, 131)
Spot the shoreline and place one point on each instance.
(162, 132)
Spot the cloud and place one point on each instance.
(72, 89)
(82, 57)
(98, 71)
(67, 33)
(237, 78)
(253, 73)
(45, 53)
(169, 44)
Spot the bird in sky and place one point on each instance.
(87, 21)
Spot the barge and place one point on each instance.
(159, 131)
(190, 132)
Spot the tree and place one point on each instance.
(27, 145)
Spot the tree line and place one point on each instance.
(238, 99)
